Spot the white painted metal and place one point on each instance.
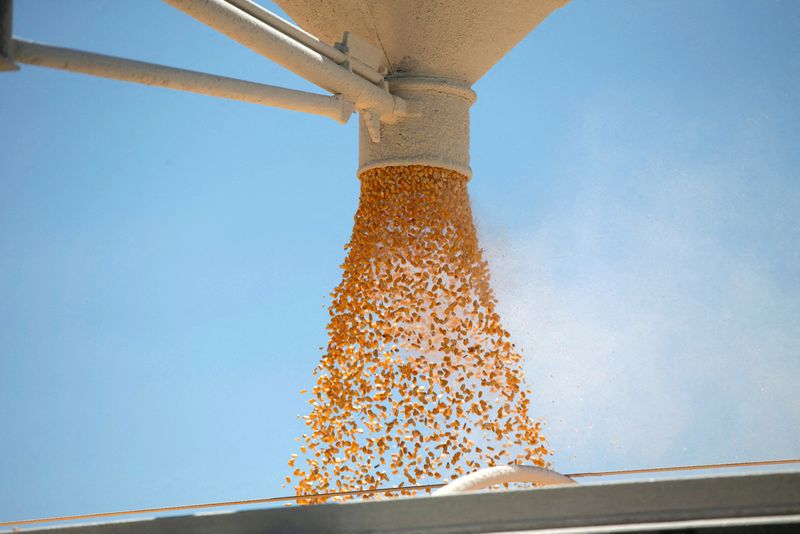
(432, 51)
(434, 132)
(30, 53)
(311, 65)
(362, 50)
(458, 39)
(504, 474)
(302, 36)
(435, 49)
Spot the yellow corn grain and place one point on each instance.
(414, 333)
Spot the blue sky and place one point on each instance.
(165, 257)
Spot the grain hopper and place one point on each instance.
(406, 67)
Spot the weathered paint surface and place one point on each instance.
(434, 132)
(458, 39)
(435, 49)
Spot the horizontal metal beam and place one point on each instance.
(311, 41)
(295, 56)
(334, 107)
(756, 503)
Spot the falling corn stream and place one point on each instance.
(420, 382)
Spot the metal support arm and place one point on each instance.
(334, 107)
(294, 55)
(6, 61)
(300, 35)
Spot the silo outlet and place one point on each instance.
(433, 132)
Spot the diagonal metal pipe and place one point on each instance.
(295, 56)
(311, 41)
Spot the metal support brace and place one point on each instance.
(361, 51)
(373, 123)
(333, 53)
(354, 70)
(287, 51)
(6, 48)
(335, 107)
